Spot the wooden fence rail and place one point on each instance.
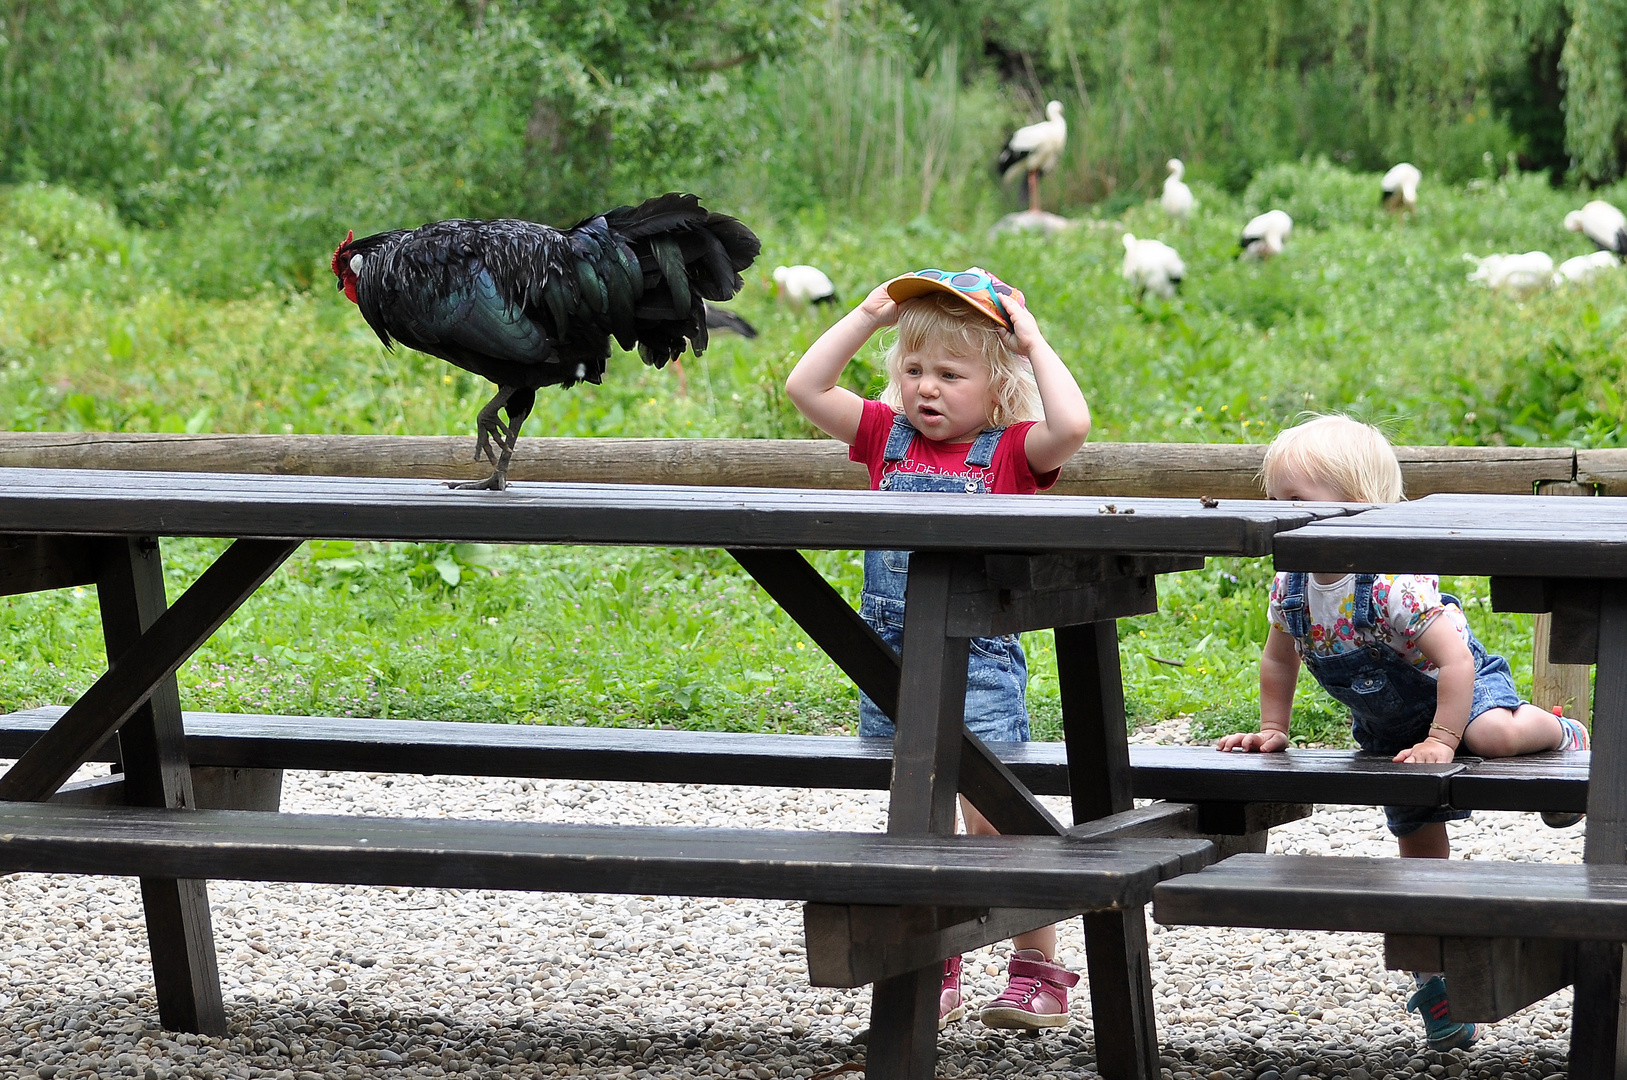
(1126, 469)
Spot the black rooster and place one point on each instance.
(526, 305)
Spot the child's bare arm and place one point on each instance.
(1454, 692)
(1052, 441)
(1279, 671)
(811, 386)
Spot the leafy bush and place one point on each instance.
(64, 224)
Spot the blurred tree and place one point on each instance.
(1596, 87)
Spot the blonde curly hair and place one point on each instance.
(936, 323)
(1352, 458)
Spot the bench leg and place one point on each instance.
(1092, 691)
(926, 772)
(1121, 1004)
(1597, 1040)
(1596, 1015)
(904, 1026)
(152, 746)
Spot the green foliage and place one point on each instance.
(856, 131)
(253, 134)
(1363, 312)
(1595, 63)
(64, 224)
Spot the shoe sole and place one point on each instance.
(1455, 1045)
(957, 1013)
(1021, 1019)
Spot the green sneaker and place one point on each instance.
(1444, 1033)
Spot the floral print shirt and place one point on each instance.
(1404, 606)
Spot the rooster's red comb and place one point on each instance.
(349, 236)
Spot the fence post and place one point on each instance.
(1565, 685)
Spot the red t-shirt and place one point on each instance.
(1008, 474)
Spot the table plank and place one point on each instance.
(189, 504)
(1461, 534)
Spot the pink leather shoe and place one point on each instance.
(950, 1005)
(1035, 997)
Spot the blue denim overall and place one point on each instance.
(1391, 702)
(996, 670)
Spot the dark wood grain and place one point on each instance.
(37, 563)
(1092, 692)
(1491, 978)
(1189, 774)
(830, 867)
(1597, 1037)
(931, 706)
(926, 776)
(189, 504)
(152, 744)
(849, 945)
(1552, 781)
(1012, 594)
(1491, 535)
(1402, 896)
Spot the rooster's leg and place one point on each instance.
(519, 407)
(487, 424)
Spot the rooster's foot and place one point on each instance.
(495, 482)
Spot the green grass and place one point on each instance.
(1362, 313)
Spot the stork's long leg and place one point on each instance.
(1033, 192)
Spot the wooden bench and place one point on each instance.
(877, 904)
(828, 867)
(1189, 774)
(1504, 933)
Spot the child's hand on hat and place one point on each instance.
(1023, 326)
(880, 307)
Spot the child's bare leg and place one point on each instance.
(1043, 939)
(1499, 733)
(1429, 842)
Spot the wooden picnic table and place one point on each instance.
(1568, 557)
(990, 565)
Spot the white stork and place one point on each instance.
(1601, 223)
(1399, 188)
(1263, 236)
(1521, 275)
(1035, 150)
(1582, 269)
(802, 285)
(1151, 266)
(1177, 198)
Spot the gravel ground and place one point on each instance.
(338, 983)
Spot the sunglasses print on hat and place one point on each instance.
(980, 289)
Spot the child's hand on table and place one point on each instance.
(1264, 742)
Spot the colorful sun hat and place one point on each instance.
(975, 286)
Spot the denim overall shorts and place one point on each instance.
(1391, 702)
(996, 670)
